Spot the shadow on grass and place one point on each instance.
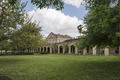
(4, 77)
(10, 60)
(92, 70)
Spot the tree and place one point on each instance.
(54, 47)
(10, 18)
(5, 45)
(58, 4)
(66, 47)
(28, 36)
(103, 24)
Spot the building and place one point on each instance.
(64, 44)
(57, 38)
(58, 43)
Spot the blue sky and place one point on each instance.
(73, 11)
(63, 22)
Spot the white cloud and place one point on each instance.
(76, 3)
(56, 21)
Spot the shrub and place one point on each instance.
(22, 53)
(4, 53)
(44, 53)
(15, 53)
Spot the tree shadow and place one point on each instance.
(4, 77)
(96, 70)
(89, 70)
(10, 61)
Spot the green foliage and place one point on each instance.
(43, 52)
(54, 47)
(103, 23)
(17, 31)
(58, 4)
(65, 46)
(21, 53)
(15, 53)
(5, 45)
(82, 44)
(43, 42)
(10, 18)
(28, 36)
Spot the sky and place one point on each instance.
(63, 22)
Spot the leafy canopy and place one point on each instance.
(57, 4)
(103, 23)
(28, 36)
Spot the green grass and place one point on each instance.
(60, 67)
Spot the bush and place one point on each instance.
(15, 53)
(44, 53)
(4, 53)
(22, 53)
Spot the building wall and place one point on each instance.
(72, 49)
(52, 39)
(61, 38)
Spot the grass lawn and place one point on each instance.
(60, 67)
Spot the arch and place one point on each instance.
(72, 49)
(61, 49)
(55, 50)
(44, 49)
(38, 49)
(28, 49)
(66, 50)
(87, 49)
(48, 49)
(117, 51)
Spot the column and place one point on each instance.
(94, 50)
(26, 50)
(40, 49)
(43, 49)
(69, 50)
(50, 50)
(106, 51)
(84, 51)
(76, 50)
(36, 49)
(32, 49)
